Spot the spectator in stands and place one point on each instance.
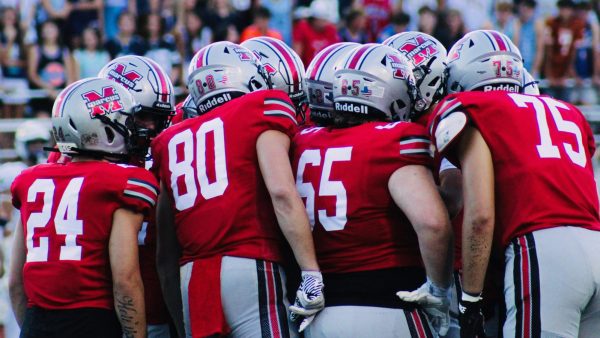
(313, 34)
(564, 31)
(112, 10)
(49, 64)
(220, 16)
(399, 23)
(428, 20)
(377, 15)
(27, 18)
(126, 42)
(57, 10)
(531, 40)
(83, 14)
(586, 56)
(412, 7)
(92, 57)
(162, 47)
(474, 13)
(13, 65)
(194, 36)
(452, 30)
(260, 26)
(281, 14)
(227, 33)
(355, 27)
(505, 21)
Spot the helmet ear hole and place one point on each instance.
(433, 82)
(72, 124)
(110, 134)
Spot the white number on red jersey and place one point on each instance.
(65, 220)
(195, 148)
(326, 187)
(546, 148)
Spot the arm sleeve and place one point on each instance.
(278, 113)
(414, 146)
(139, 191)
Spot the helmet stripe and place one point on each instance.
(62, 98)
(499, 41)
(164, 87)
(327, 52)
(490, 40)
(355, 57)
(290, 61)
(367, 54)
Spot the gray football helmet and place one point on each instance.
(319, 80)
(428, 55)
(223, 71)
(375, 81)
(530, 85)
(484, 60)
(94, 117)
(149, 84)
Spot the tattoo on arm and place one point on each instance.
(127, 315)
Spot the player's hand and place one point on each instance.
(309, 299)
(434, 301)
(471, 317)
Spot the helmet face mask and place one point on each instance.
(94, 117)
(484, 60)
(223, 71)
(376, 82)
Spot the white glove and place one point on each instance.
(309, 298)
(434, 301)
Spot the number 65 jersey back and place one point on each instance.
(67, 216)
(541, 151)
(209, 165)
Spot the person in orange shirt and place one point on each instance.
(260, 27)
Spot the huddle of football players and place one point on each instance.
(396, 174)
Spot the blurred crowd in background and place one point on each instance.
(47, 44)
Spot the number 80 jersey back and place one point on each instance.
(209, 165)
(541, 151)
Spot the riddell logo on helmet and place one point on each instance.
(127, 79)
(214, 102)
(351, 108)
(504, 87)
(104, 103)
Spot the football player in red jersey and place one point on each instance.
(75, 269)
(379, 224)
(528, 189)
(228, 195)
(151, 87)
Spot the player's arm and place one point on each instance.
(273, 157)
(451, 190)
(478, 224)
(168, 252)
(128, 289)
(412, 187)
(18, 299)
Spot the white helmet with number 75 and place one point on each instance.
(484, 60)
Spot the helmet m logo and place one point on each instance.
(104, 103)
(398, 66)
(243, 54)
(127, 78)
(456, 53)
(269, 69)
(419, 49)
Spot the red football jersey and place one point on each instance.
(209, 165)
(343, 174)
(541, 150)
(67, 213)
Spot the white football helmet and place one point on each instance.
(484, 60)
(530, 85)
(149, 84)
(375, 81)
(94, 117)
(319, 80)
(284, 66)
(31, 131)
(428, 55)
(223, 71)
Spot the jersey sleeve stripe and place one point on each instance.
(416, 152)
(280, 113)
(414, 139)
(143, 184)
(141, 196)
(280, 102)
